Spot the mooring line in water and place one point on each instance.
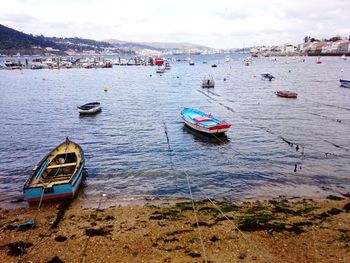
(274, 170)
(326, 104)
(170, 152)
(206, 95)
(271, 132)
(325, 117)
(337, 146)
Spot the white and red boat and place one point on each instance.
(203, 122)
(286, 94)
(158, 61)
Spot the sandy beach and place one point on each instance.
(278, 230)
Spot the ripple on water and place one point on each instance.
(126, 147)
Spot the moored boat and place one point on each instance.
(344, 83)
(208, 82)
(286, 94)
(58, 175)
(160, 70)
(267, 76)
(90, 108)
(203, 122)
(159, 61)
(167, 66)
(191, 62)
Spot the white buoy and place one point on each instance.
(105, 89)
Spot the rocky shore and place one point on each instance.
(278, 230)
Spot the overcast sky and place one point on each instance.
(214, 23)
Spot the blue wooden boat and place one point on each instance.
(345, 83)
(203, 122)
(58, 175)
(267, 76)
(90, 108)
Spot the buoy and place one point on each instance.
(150, 75)
(342, 70)
(224, 79)
(43, 79)
(105, 89)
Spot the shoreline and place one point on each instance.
(281, 230)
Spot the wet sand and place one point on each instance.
(277, 230)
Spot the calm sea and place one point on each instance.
(276, 146)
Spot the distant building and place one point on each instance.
(70, 52)
(327, 48)
(50, 49)
(341, 46)
(289, 48)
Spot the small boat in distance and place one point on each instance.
(343, 57)
(267, 76)
(227, 58)
(286, 94)
(203, 122)
(191, 62)
(318, 60)
(344, 83)
(159, 61)
(58, 175)
(208, 82)
(214, 66)
(90, 108)
(160, 70)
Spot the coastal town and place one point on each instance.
(174, 131)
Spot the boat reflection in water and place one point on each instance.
(206, 137)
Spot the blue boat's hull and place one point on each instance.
(345, 83)
(58, 175)
(57, 191)
(203, 122)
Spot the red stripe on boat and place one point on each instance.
(49, 197)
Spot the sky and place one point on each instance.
(213, 23)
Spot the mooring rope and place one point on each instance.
(251, 121)
(191, 196)
(250, 242)
(37, 213)
(267, 258)
(83, 254)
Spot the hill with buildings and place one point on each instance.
(158, 46)
(13, 42)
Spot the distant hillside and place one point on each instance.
(156, 45)
(13, 41)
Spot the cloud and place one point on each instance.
(220, 23)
